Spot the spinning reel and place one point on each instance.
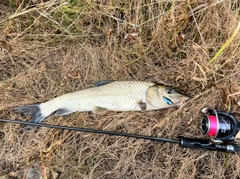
(222, 126)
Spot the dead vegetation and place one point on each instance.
(50, 47)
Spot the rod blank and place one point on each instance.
(92, 131)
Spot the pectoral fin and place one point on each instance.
(98, 110)
(142, 105)
(62, 112)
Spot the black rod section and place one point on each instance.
(92, 131)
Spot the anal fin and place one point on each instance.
(98, 110)
(63, 111)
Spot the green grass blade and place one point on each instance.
(225, 45)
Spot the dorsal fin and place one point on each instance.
(159, 84)
(104, 82)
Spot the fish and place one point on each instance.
(108, 95)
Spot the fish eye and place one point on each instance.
(167, 100)
(169, 90)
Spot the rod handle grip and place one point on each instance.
(207, 145)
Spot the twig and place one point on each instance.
(197, 26)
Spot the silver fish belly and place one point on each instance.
(108, 95)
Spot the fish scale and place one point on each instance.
(120, 93)
(108, 95)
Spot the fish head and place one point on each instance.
(172, 97)
(165, 97)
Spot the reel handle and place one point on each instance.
(206, 145)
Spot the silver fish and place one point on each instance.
(108, 95)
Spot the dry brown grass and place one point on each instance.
(52, 47)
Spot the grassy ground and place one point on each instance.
(53, 47)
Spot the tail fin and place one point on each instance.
(33, 110)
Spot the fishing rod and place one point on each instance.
(222, 126)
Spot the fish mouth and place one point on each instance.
(181, 101)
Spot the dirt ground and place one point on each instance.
(51, 47)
